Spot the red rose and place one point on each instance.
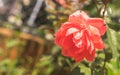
(81, 36)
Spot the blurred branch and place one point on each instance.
(105, 9)
(35, 12)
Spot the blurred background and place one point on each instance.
(27, 30)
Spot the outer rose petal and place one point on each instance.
(71, 52)
(90, 57)
(93, 31)
(98, 23)
(95, 36)
(63, 31)
(58, 37)
(79, 18)
(99, 44)
(102, 30)
(68, 28)
(67, 42)
(79, 57)
(67, 25)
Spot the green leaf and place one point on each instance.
(112, 67)
(85, 69)
(112, 40)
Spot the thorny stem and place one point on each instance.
(103, 16)
(69, 63)
(104, 64)
(92, 71)
(104, 59)
(104, 49)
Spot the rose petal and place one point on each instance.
(79, 18)
(71, 31)
(98, 23)
(58, 37)
(93, 31)
(78, 35)
(79, 39)
(88, 42)
(102, 30)
(90, 57)
(71, 52)
(99, 44)
(63, 31)
(67, 42)
(68, 28)
(79, 57)
(90, 45)
(95, 37)
(68, 25)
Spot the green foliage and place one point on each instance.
(44, 66)
(113, 67)
(11, 43)
(8, 67)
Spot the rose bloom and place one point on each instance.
(81, 36)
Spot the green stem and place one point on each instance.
(104, 64)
